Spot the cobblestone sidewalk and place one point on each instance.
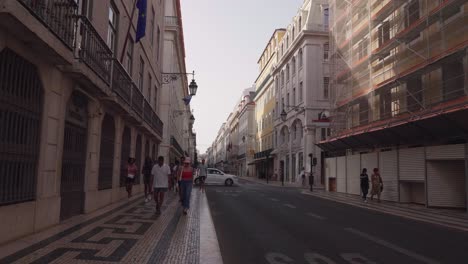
(130, 233)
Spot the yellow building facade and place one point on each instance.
(265, 107)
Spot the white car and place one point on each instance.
(216, 176)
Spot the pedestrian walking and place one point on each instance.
(147, 178)
(186, 183)
(175, 173)
(303, 177)
(364, 184)
(161, 173)
(179, 171)
(202, 174)
(132, 171)
(377, 184)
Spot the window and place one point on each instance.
(282, 104)
(293, 31)
(112, 28)
(300, 23)
(155, 105)
(152, 26)
(362, 48)
(129, 55)
(282, 78)
(287, 100)
(300, 58)
(294, 97)
(293, 66)
(326, 88)
(140, 74)
(149, 87)
(384, 32)
(287, 73)
(158, 43)
(325, 133)
(412, 12)
(326, 48)
(395, 105)
(87, 9)
(325, 18)
(300, 92)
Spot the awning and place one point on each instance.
(255, 161)
(432, 126)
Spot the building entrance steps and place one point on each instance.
(127, 232)
(453, 218)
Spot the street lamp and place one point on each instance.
(172, 76)
(284, 115)
(192, 120)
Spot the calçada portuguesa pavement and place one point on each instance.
(128, 232)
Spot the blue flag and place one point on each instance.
(141, 26)
(187, 99)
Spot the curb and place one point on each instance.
(210, 252)
(272, 185)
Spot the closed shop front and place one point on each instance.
(388, 165)
(446, 176)
(353, 171)
(330, 170)
(341, 174)
(412, 171)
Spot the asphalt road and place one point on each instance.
(261, 224)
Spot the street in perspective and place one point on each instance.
(235, 132)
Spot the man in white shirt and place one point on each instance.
(161, 173)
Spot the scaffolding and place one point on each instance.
(394, 60)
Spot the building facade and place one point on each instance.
(265, 107)
(400, 99)
(246, 136)
(178, 135)
(78, 97)
(301, 80)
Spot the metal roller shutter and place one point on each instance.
(330, 170)
(353, 167)
(369, 161)
(446, 152)
(388, 165)
(341, 174)
(446, 184)
(412, 164)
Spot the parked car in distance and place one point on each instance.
(217, 177)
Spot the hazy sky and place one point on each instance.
(223, 41)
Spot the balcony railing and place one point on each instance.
(171, 21)
(93, 51)
(58, 15)
(121, 82)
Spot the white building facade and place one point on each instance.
(301, 78)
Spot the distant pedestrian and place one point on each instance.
(175, 173)
(377, 184)
(186, 183)
(202, 174)
(303, 177)
(147, 178)
(364, 184)
(161, 173)
(132, 171)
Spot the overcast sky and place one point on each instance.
(223, 41)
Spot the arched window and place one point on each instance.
(106, 155)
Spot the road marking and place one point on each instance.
(315, 258)
(319, 217)
(290, 206)
(274, 199)
(354, 258)
(278, 258)
(392, 246)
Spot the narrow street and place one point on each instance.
(261, 224)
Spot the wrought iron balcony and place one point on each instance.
(121, 82)
(171, 21)
(59, 16)
(93, 50)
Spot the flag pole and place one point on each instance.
(128, 31)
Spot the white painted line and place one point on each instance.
(209, 246)
(392, 246)
(274, 199)
(290, 206)
(319, 217)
